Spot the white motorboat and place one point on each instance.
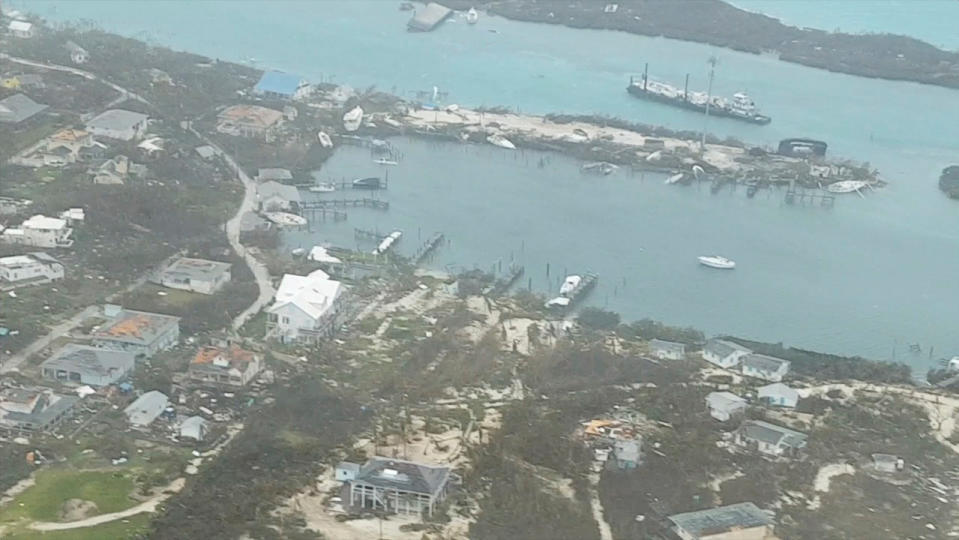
(384, 161)
(353, 118)
(323, 187)
(325, 140)
(285, 219)
(387, 243)
(501, 141)
(569, 285)
(715, 261)
(846, 186)
(675, 178)
(472, 16)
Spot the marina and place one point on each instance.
(573, 289)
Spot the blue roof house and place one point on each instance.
(279, 85)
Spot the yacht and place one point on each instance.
(715, 261)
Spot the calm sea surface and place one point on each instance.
(866, 277)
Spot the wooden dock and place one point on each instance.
(376, 204)
(500, 286)
(322, 214)
(802, 196)
(428, 247)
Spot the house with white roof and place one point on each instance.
(40, 231)
(667, 350)
(21, 29)
(195, 275)
(779, 395)
(119, 124)
(305, 308)
(768, 368)
(770, 439)
(146, 408)
(725, 405)
(30, 269)
(723, 353)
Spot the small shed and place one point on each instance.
(194, 427)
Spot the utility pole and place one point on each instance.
(709, 96)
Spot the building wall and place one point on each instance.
(773, 376)
(723, 361)
(669, 355)
(162, 342)
(51, 271)
(195, 285)
(753, 533)
(290, 320)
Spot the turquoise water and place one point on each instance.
(858, 279)
(933, 21)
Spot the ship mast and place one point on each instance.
(709, 97)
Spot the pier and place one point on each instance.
(428, 247)
(310, 206)
(802, 196)
(321, 214)
(429, 18)
(500, 286)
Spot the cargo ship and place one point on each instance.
(739, 107)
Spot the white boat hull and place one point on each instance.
(721, 263)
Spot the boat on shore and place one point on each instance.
(572, 289)
(371, 182)
(285, 219)
(472, 16)
(323, 187)
(501, 141)
(846, 186)
(739, 107)
(716, 261)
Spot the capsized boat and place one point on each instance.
(715, 261)
(472, 16)
(501, 141)
(372, 182)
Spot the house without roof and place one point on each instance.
(26, 410)
(146, 408)
(250, 121)
(397, 486)
(139, 332)
(723, 353)
(768, 368)
(195, 275)
(725, 405)
(82, 364)
(30, 269)
(17, 108)
(228, 365)
(743, 521)
(304, 308)
(667, 350)
(279, 85)
(770, 439)
(119, 124)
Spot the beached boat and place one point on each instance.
(739, 107)
(323, 187)
(353, 118)
(325, 140)
(472, 16)
(715, 261)
(387, 243)
(285, 219)
(501, 141)
(385, 161)
(846, 186)
(372, 182)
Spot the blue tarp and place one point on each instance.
(277, 82)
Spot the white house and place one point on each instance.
(667, 350)
(725, 405)
(770, 439)
(119, 124)
(305, 308)
(78, 55)
(194, 427)
(228, 365)
(724, 354)
(765, 367)
(29, 269)
(195, 275)
(21, 29)
(40, 231)
(146, 408)
(779, 395)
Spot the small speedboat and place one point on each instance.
(384, 161)
(472, 16)
(323, 187)
(715, 261)
(846, 186)
(501, 141)
(675, 178)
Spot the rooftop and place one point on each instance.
(232, 357)
(199, 269)
(313, 294)
(91, 360)
(778, 389)
(723, 400)
(270, 189)
(251, 115)
(116, 119)
(724, 348)
(17, 261)
(403, 475)
(137, 326)
(17, 108)
(773, 434)
(277, 82)
(721, 520)
(69, 135)
(670, 346)
(20, 26)
(41, 222)
(146, 408)
(73, 47)
(764, 363)
(273, 173)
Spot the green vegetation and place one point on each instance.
(597, 319)
(134, 527)
(649, 329)
(110, 491)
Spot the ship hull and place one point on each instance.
(637, 91)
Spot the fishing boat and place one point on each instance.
(472, 16)
(501, 141)
(323, 187)
(715, 261)
(846, 186)
(385, 161)
(372, 182)
(325, 140)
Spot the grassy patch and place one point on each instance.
(108, 490)
(132, 527)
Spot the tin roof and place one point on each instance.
(667, 346)
(721, 520)
(758, 430)
(403, 475)
(17, 108)
(763, 362)
(724, 348)
(90, 360)
(137, 327)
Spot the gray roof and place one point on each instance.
(724, 401)
(403, 475)
(90, 360)
(116, 119)
(274, 174)
(146, 408)
(762, 362)
(206, 151)
(778, 390)
(48, 407)
(348, 466)
(668, 346)
(627, 450)
(720, 520)
(17, 108)
(885, 458)
(758, 430)
(198, 269)
(193, 422)
(723, 348)
(284, 191)
(139, 327)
